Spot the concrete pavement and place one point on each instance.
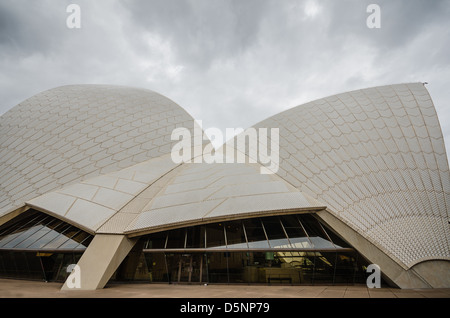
(33, 289)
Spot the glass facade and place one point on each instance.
(301, 231)
(289, 249)
(38, 246)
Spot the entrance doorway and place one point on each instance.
(187, 268)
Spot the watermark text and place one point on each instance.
(252, 146)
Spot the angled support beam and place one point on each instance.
(393, 273)
(99, 262)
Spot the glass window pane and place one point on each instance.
(21, 264)
(44, 240)
(55, 224)
(34, 266)
(275, 233)
(157, 267)
(292, 226)
(320, 242)
(19, 231)
(218, 267)
(37, 231)
(85, 243)
(62, 262)
(215, 236)
(70, 244)
(338, 242)
(298, 265)
(8, 241)
(60, 239)
(75, 240)
(346, 269)
(56, 242)
(318, 237)
(8, 264)
(156, 240)
(195, 237)
(325, 264)
(295, 232)
(235, 235)
(39, 235)
(176, 238)
(255, 234)
(27, 237)
(239, 270)
(19, 226)
(301, 242)
(71, 231)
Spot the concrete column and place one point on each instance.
(100, 260)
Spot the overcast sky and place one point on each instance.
(229, 63)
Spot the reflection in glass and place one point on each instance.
(44, 240)
(280, 267)
(337, 241)
(275, 232)
(176, 238)
(156, 266)
(36, 266)
(156, 240)
(17, 226)
(38, 246)
(215, 236)
(235, 235)
(255, 234)
(77, 241)
(35, 231)
(60, 239)
(295, 232)
(315, 232)
(301, 231)
(287, 249)
(195, 237)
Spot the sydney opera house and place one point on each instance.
(87, 178)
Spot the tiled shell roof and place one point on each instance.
(376, 158)
(72, 133)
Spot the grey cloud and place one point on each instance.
(28, 27)
(401, 21)
(200, 31)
